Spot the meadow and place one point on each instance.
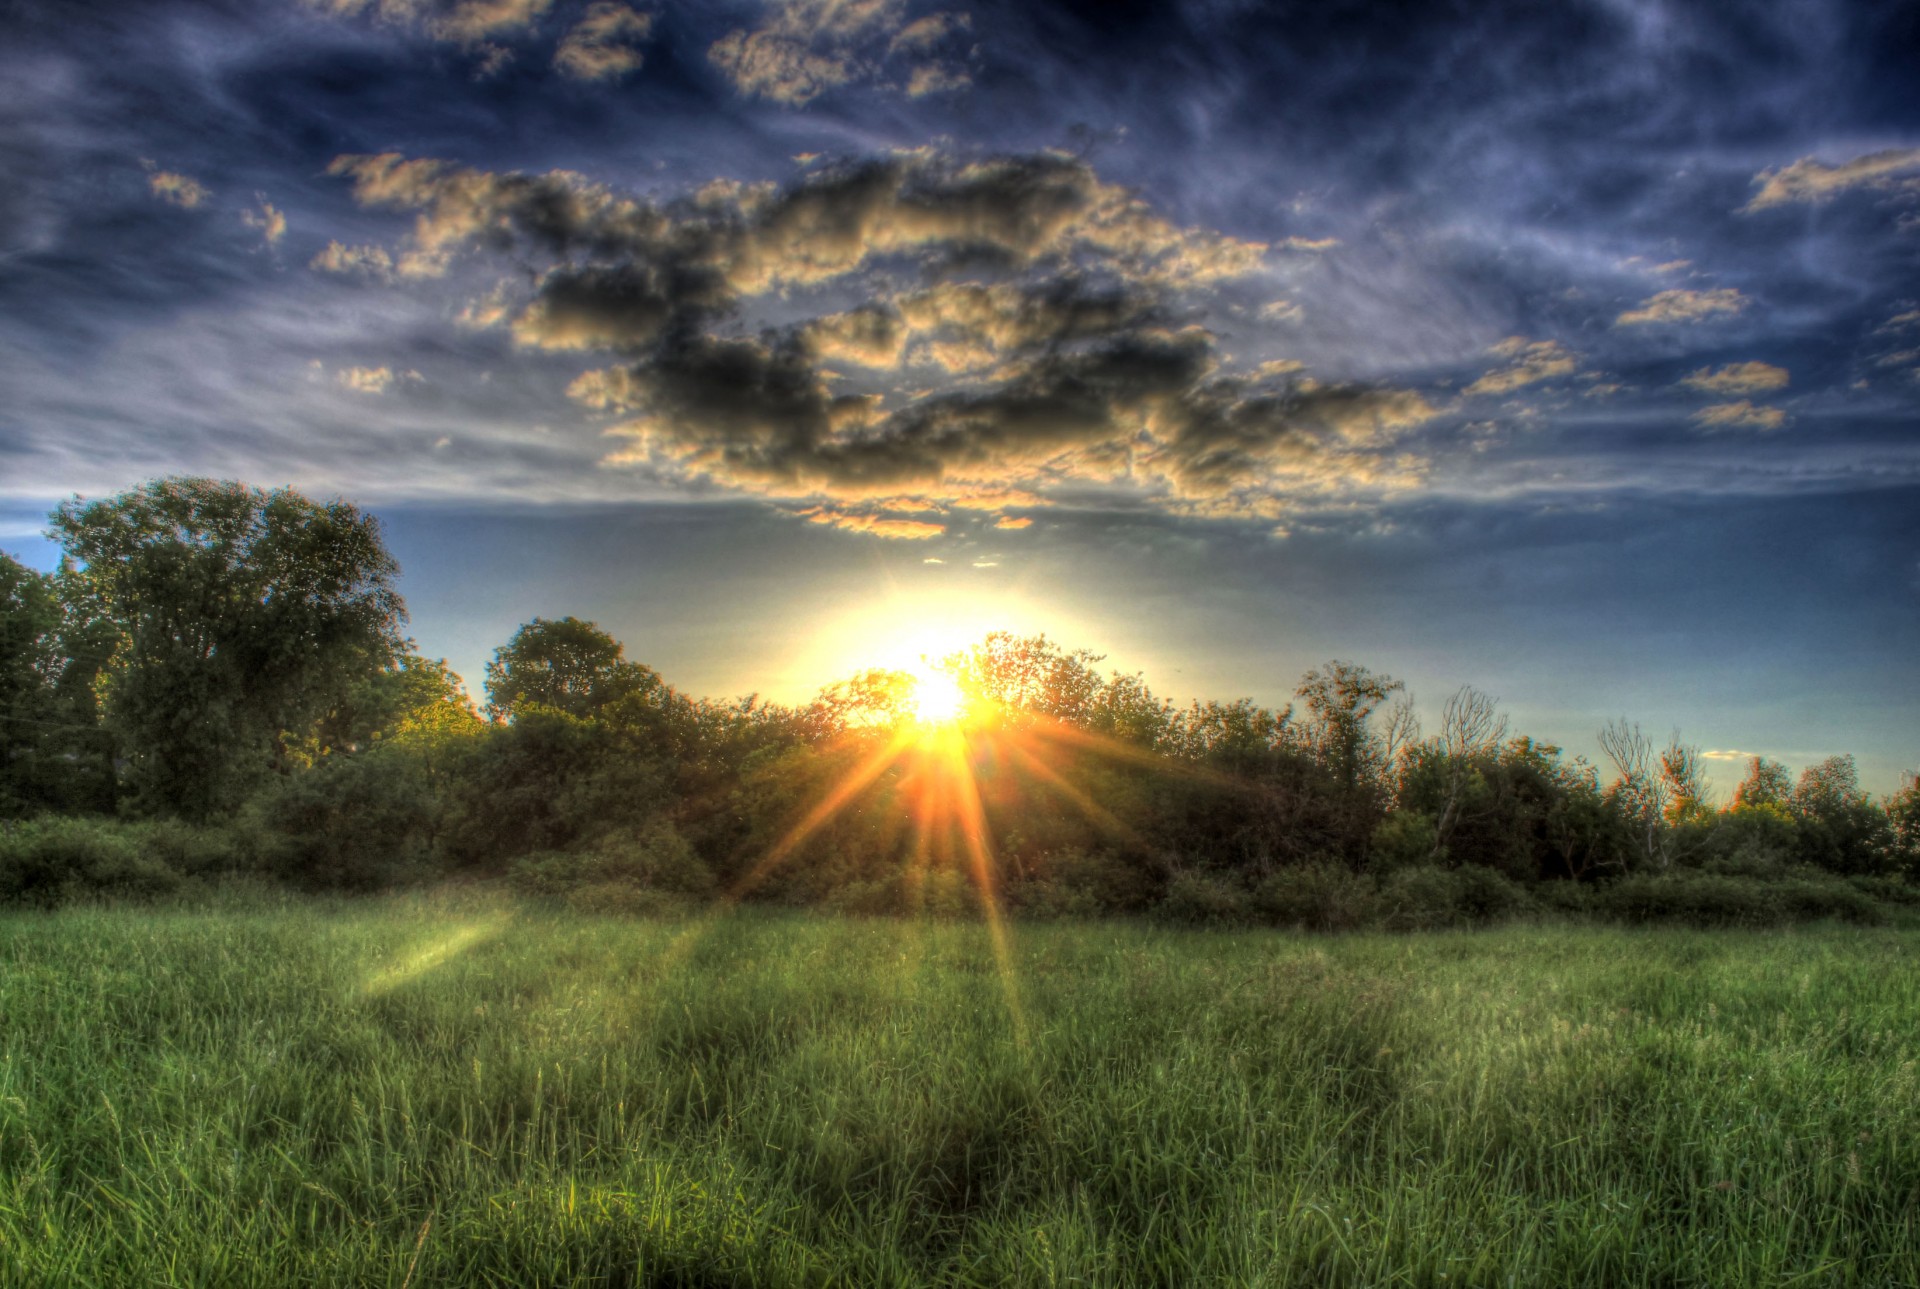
(452, 1089)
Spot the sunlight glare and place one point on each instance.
(937, 698)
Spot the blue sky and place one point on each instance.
(1570, 351)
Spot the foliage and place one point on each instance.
(241, 617)
(1317, 897)
(567, 666)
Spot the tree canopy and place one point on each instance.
(240, 618)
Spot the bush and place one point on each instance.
(653, 855)
(652, 858)
(355, 822)
(1404, 839)
(1712, 900)
(1486, 896)
(1422, 898)
(1193, 899)
(1564, 898)
(47, 862)
(1079, 883)
(1319, 896)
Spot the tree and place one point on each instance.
(29, 669)
(1767, 784)
(1339, 699)
(566, 665)
(1655, 790)
(240, 618)
(1840, 827)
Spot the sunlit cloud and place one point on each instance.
(1741, 415)
(1737, 378)
(877, 525)
(177, 189)
(269, 221)
(1684, 306)
(337, 257)
(604, 44)
(805, 48)
(366, 380)
(1810, 180)
(1528, 363)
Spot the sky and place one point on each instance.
(1571, 351)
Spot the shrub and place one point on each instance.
(653, 855)
(650, 858)
(1422, 898)
(1565, 898)
(1079, 883)
(1713, 900)
(1319, 896)
(1486, 896)
(1194, 899)
(47, 862)
(1404, 839)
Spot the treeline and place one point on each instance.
(216, 681)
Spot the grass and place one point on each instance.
(450, 1091)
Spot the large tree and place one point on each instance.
(243, 617)
(564, 665)
(29, 668)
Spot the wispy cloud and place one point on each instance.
(1737, 378)
(1529, 362)
(1812, 181)
(1741, 415)
(1684, 306)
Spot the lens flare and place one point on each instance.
(937, 698)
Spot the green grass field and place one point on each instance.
(448, 1091)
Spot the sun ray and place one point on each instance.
(972, 818)
(1096, 814)
(850, 784)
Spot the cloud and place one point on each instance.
(472, 21)
(1738, 378)
(341, 258)
(877, 525)
(936, 79)
(1530, 362)
(177, 189)
(805, 48)
(1013, 521)
(366, 380)
(1812, 181)
(924, 35)
(269, 221)
(1684, 306)
(1728, 754)
(1046, 336)
(602, 44)
(1741, 415)
(732, 240)
(1313, 245)
(870, 336)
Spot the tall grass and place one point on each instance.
(431, 1091)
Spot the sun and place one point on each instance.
(936, 698)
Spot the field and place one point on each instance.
(432, 1091)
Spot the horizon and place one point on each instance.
(1573, 356)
